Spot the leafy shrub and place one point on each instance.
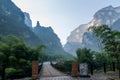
(10, 71)
(65, 66)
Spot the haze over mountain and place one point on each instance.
(83, 37)
(15, 22)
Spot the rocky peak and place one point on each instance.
(110, 7)
(104, 12)
(48, 37)
(107, 15)
(38, 24)
(43, 28)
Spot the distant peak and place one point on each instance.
(38, 24)
(110, 7)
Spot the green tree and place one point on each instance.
(110, 39)
(17, 55)
(2, 57)
(99, 59)
(84, 55)
(15, 52)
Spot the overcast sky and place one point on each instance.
(63, 15)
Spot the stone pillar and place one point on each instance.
(74, 69)
(35, 69)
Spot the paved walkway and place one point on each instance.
(50, 73)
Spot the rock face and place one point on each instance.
(107, 15)
(116, 25)
(84, 38)
(92, 42)
(74, 41)
(27, 20)
(12, 23)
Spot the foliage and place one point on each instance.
(99, 59)
(91, 57)
(16, 54)
(10, 71)
(110, 39)
(111, 47)
(84, 55)
(65, 66)
(68, 65)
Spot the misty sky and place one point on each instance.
(63, 15)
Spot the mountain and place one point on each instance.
(107, 15)
(49, 38)
(83, 37)
(12, 23)
(15, 22)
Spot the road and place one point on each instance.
(50, 73)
